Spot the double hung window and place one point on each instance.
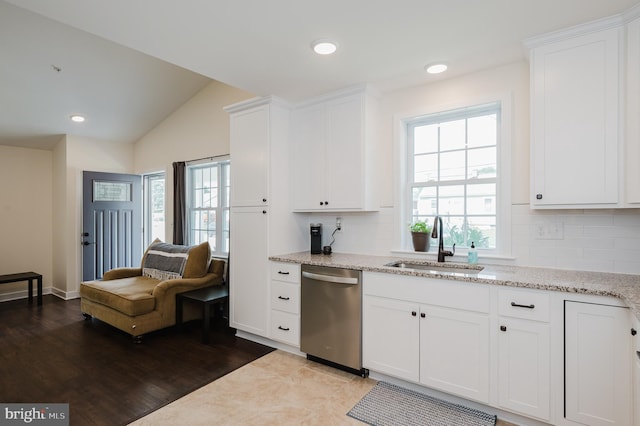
(208, 205)
(453, 170)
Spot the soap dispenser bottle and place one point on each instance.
(472, 254)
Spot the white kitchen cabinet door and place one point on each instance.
(632, 136)
(454, 351)
(328, 155)
(575, 97)
(390, 337)
(635, 354)
(598, 365)
(308, 158)
(344, 153)
(249, 149)
(524, 367)
(249, 270)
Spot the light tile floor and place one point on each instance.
(277, 389)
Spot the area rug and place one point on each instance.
(388, 404)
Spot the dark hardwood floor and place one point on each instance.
(50, 354)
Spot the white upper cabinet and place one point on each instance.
(632, 136)
(332, 154)
(575, 119)
(250, 157)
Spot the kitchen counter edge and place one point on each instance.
(621, 286)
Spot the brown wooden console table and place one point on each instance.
(25, 276)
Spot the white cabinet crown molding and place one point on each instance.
(614, 21)
(255, 102)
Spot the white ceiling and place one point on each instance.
(259, 46)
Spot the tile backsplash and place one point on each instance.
(590, 240)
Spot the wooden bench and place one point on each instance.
(25, 276)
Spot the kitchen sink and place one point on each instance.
(437, 268)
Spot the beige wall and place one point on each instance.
(199, 128)
(25, 216)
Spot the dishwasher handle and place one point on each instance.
(330, 278)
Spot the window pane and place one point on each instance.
(451, 200)
(453, 231)
(452, 135)
(225, 231)
(157, 208)
(425, 168)
(482, 231)
(425, 139)
(452, 166)
(482, 163)
(425, 203)
(481, 199)
(482, 130)
(211, 229)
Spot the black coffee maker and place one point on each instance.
(316, 238)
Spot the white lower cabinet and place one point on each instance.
(523, 367)
(558, 358)
(454, 351)
(441, 346)
(598, 367)
(249, 285)
(635, 354)
(285, 303)
(524, 352)
(391, 335)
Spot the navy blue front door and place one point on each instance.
(112, 223)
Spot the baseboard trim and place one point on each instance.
(65, 295)
(268, 342)
(23, 294)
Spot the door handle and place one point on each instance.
(86, 243)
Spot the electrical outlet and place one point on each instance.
(339, 223)
(549, 231)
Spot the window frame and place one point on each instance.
(404, 199)
(222, 209)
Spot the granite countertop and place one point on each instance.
(622, 286)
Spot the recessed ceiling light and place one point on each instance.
(436, 68)
(77, 118)
(324, 47)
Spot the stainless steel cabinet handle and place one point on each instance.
(329, 278)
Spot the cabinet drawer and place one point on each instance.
(285, 327)
(285, 297)
(526, 304)
(288, 272)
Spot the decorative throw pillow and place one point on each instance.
(164, 261)
(198, 261)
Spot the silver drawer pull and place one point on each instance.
(283, 298)
(516, 305)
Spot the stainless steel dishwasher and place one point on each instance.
(331, 317)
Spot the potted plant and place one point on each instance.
(421, 235)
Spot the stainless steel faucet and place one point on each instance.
(441, 251)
